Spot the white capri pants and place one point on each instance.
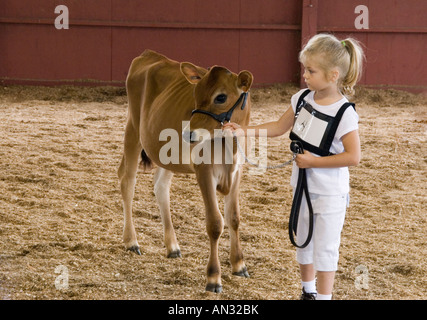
(329, 214)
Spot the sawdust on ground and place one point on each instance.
(61, 209)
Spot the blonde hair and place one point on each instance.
(346, 55)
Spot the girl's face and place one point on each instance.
(314, 76)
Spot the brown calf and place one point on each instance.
(162, 94)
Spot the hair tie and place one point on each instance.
(343, 43)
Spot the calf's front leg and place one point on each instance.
(232, 219)
(214, 225)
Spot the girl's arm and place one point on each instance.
(274, 128)
(350, 156)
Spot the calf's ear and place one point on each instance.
(244, 80)
(192, 73)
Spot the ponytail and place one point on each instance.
(354, 72)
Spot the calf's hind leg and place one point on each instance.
(162, 183)
(127, 176)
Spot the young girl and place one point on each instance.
(332, 69)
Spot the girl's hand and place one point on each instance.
(231, 125)
(305, 160)
(234, 127)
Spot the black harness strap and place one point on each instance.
(332, 127)
(336, 122)
(300, 102)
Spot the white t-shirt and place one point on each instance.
(328, 181)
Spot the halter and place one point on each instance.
(225, 116)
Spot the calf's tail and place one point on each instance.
(146, 165)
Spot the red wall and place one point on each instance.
(395, 43)
(261, 36)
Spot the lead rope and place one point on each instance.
(277, 166)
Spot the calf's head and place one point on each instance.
(219, 95)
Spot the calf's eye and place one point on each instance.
(220, 99)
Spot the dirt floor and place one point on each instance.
(61, 209)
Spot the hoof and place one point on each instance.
(214, 287)
(242, 273)
(135, 249)
(175, 254)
